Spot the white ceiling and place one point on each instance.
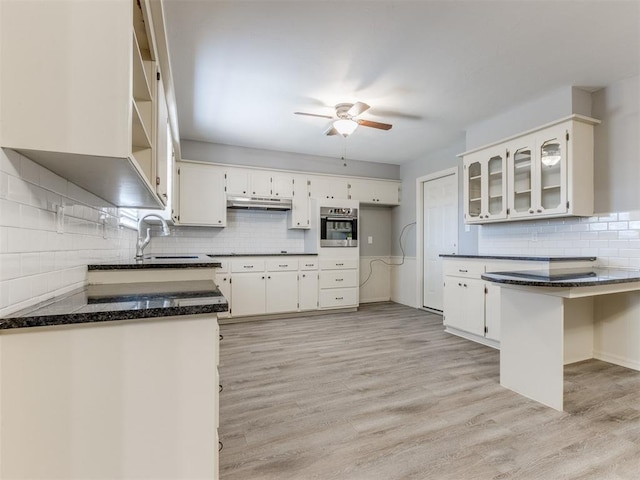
(431, 68)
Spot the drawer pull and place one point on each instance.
(283, 266)
(339, 264)
(247, 266)
(339, 279)
(461, 270)
(339, 298)
(308, 264)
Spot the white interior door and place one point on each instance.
(440, 223)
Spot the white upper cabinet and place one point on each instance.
(201, 198)
(260, 183)
(485, 181)
(237, 181)
(329, 187)
(79, 93)
(375, 192)
(548, 173)
(282, 185)
(299, 215)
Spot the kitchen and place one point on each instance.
(51, 228)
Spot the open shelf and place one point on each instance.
(140, 137)
(141, 88)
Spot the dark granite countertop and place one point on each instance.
(281, 254)
(160, 261)
(533, 258)
(208, 260)
(103, 303)
(569, 277)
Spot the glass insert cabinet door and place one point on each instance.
(552, 170)
(521, 178)
(485, 185)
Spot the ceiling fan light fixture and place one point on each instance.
(345, 126)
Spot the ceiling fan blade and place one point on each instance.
(313, 115)
(357, 108)
(369, 123)
(331, 131)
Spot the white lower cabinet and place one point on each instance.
(269, 285)
(308, 290)
(339, 283)
(464, 304)
(248, 294)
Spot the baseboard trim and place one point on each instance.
(474, 338)
(280, 316)
(616, 360)
(375, 300)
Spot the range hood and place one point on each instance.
(258, 203)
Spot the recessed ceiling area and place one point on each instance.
(430, 68)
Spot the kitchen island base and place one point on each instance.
(121, 399)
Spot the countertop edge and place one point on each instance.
(521, 257)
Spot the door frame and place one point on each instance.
(420, 225)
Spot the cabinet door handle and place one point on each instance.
(263, 277)
(220, 388)
(269, 277)
(530, 211)
(539, 210)
(465, 285)
(459, 284)
(220, 446)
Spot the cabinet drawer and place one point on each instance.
(309, 264)
(282, 265)
(339, 297)
(461, 268)
(339, 264)
(339, 278)
(247, 266)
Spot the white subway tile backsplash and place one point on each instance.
(614, 238)
(36, 261)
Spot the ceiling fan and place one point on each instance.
(346, 123)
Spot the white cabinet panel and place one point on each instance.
(329, 187)
(338, 278)
(260, 182)
(299, 215)
(237, 181)
(377, 192)
(248, 294)
(308, 290)
(282, 292)
(339, 298)
(201, 195)
(281, 185)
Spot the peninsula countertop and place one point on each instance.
(126, 301)
(566, 278)
(530, 258)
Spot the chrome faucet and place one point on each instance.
(142, 243)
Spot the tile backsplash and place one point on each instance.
(247, 231)
(50, 229)
(614, 238)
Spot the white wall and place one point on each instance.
(37, 259)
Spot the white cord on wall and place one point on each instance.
(387, 263)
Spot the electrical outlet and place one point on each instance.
(370, 240)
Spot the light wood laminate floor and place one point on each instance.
(384, 393)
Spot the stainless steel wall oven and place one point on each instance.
(338, 227)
